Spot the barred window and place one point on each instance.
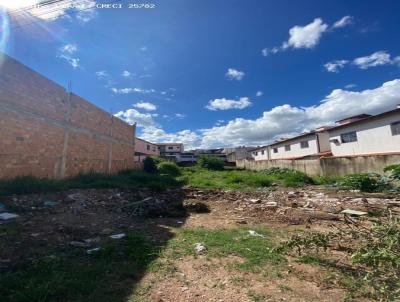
(395, 128)
(275, 150)
(348, 137)
(304, 144)
(287, 148)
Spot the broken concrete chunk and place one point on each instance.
(8, 216)
(353, 212)
(199, 248)
(92, 251)
(255, 234)
(118, 236)
(271, 204)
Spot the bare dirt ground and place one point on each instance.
(83, 220)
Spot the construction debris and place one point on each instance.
(199, 248)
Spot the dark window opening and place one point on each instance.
(348, 137)
(287, 148)
(275, 150)
(304, 144)
(395, 128)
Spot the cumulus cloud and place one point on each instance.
(345, 21)
(335, 66)
(378, 58)
(133, 116)
(307, 36)
(234, 74)
(66, 52)
(280, 121)
(131, 90)
(285, 120)
(146, 106)
(225, 104)
(126, 74)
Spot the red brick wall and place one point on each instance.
(46, 132)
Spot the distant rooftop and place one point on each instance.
(354, 118)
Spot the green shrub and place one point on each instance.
(168, 168)
(289, 177)
(365, 182)
(394, 171)
(150, 165)
(211, 163)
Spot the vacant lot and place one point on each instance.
(241, 237)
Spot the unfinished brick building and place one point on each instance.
(46, 131)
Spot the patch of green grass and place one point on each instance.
(255, 251)
(109, 275)
(128, 179)
(225, 179)
(284, 288)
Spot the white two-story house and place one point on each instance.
(367, 135)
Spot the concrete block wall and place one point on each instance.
(328, 166)
(46, 132)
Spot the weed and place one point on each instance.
(365, 182)
(168, 168)
(211, 163)
(256, 251)
(256, 297)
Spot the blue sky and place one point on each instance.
(222, 72)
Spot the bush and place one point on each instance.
(168, 168)
(394, 171)
(365, 182)
(290, 178)
(211, 163)
(150, 165)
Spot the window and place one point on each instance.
(148, 147)
(275, 150)
(304, 144)
(348, 137)
(262, 152)
(395, 128)
(255, 153)
(287, 147)
(170, 148)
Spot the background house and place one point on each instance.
(312, 143)
(260, 153)
(367, 135)
(170, 150)
(145, 148)
(233, 154)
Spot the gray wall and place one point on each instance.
(330, 166)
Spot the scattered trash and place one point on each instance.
(353, 212)
(180, 222)
(241, 221)
(199, 248)
(255, 234)
(92, 251)
(185, 288)
(118, 236)
(8, 216)
(271, 204)
(92, 240)
(50, 203)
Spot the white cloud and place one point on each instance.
(225, 104)
(146, 106)
(376, 59)
(132, 116)
(335, 66)
(66, 53)
(180, 115)
(349, 86)
(126, 74)
(101, 74)
(259, 93)
(131, 90)
(234, 74)
(307, 36)
(287, 120)
(346, 20)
